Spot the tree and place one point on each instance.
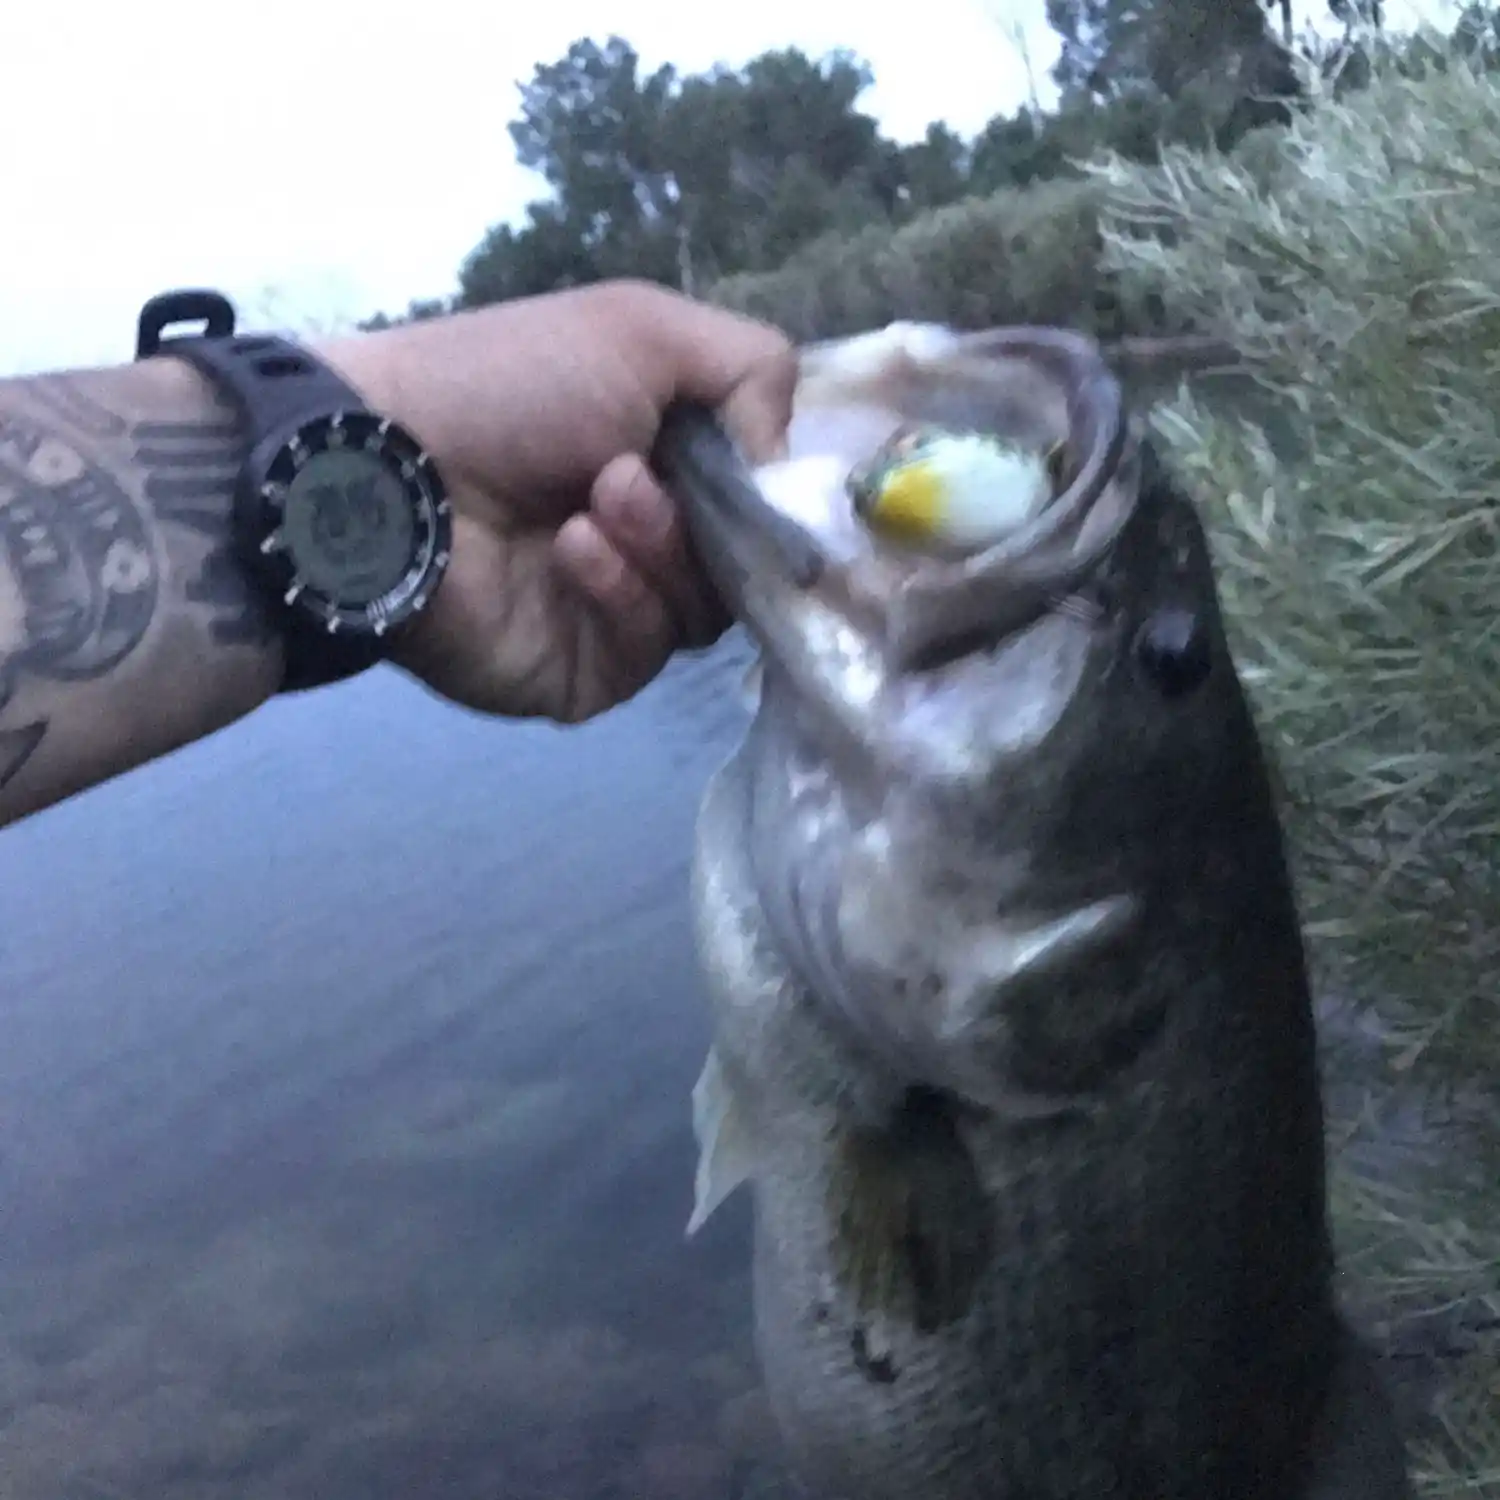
(1477, 34)
(1189, 70)
(592, 126)
(1112, 48)
(417, 311)
(545, 254)
(685, 179)
(1355, 13)
(1084, 27)
(1017, 150)
(935, 170)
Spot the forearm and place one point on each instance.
(127, 628)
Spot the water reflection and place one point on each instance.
(345, 1145)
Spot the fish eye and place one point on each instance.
(1173, 649)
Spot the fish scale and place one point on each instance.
(1013, 1044)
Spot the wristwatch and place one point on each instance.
(340, 518)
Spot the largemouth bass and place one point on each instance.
(1013, 1040)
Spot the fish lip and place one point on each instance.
(717, 490)
(907, 606)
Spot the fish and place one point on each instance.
(1012, 1040)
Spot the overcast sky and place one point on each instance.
(349, 153)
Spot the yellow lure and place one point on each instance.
(961, 490)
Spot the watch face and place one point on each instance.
(355, 523)
(349, 525)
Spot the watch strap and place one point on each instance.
(275, 386)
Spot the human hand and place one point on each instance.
(571, 582)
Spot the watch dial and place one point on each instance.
(349, 525)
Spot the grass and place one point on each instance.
(1354, 266)
(1354, 261)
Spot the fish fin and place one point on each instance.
(912, 1222)
(750, 684)
(725, 1157)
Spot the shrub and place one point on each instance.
(1352, 259)
(1019, 255)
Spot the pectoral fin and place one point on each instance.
(912, 1226)
(750, 685)
(725, 1155)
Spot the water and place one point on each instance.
(345, 1145)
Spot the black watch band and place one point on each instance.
(277, 388)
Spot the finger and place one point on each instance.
(638, 628)
(637, 516)
(759, 409)
(744, 368)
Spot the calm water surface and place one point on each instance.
(345, 1143)
(345, 1133)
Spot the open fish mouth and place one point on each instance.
(942, 495)
(939, 485)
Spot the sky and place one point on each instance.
(319, 160)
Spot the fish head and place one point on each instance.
(1000, 793)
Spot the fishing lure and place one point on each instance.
(931, 486)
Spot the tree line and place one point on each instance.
(685, 178)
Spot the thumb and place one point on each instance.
(745, 369)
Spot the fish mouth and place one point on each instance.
(731, 518)
(1047, 387)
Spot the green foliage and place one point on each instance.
(1358, 12)
(1016, 255)
(679, 179)
(1112, 48)
(936, 170)
(1477, 34)
(690, 178)
(1353, 263)
(416, 312)
(1359, 276)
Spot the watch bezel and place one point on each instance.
(276, 460)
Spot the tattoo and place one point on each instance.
(80, 554)
(190, 476)
(17, 747)
(81, 557)
(62, 397)
(116, 544)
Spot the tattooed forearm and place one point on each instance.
(190, 468)
(127, 627)
(80, 552)
(61, 396)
